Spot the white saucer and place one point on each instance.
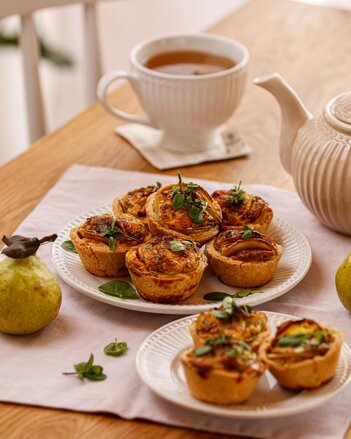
(148, 142)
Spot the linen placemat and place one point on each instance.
(31, 366)
(147, 141)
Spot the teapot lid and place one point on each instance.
(338, 112)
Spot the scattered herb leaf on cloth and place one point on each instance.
(88, 370)
(116, 348)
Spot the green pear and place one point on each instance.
(30, 296)
(343, 282)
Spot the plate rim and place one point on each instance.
(170, 309)
(221, 410)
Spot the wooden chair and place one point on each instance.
(29, 45)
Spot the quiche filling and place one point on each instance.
(299, 340)
(107, 229)
(183, 219)
(224, 353)
(134, 202)
(246, 247)
(239, 207)
(242, 323)
(165, 254)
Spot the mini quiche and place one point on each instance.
(134, 202)
(185, 211)
(240, 322)
(244, 258)
(224, 371)
(303, 354)
(166, 270)
(102, 242)
(241, 208)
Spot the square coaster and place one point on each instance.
(147, 140)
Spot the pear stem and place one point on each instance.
(49, 238)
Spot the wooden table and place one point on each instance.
(308, 45)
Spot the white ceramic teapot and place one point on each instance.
(316, 151)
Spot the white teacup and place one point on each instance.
(188, 109)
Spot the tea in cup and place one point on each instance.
(188, 85)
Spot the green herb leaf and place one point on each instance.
(177, 246)
(237, 194)
(118, 288)
(178, 200)
(232, 353)
(69, 246)
(202, 350)
(229, 304)
(220, 313)
(248, 232)
(187, 199)
(112, 243)
(115, 348)
(216, 295)
(195, 214)
(158, 185)
(88, 370)
(220, 340)
(192, 188)
(245, 293)
(293, 340)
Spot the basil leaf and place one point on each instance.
(292, 340)
(202, 350)
(88, 370)
(245, 293)
(233, 353)
(216, 295)
(93, 377)
(158, 185)
(237, 194)
(195, 214)
(178, 200)
(247, 234)
(90, 361)
(80, 367)
(177, 246)
(115, 349)
(118, 288)
(220, 313)
(112, 243)
(69, 246)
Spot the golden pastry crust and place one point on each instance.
(166, 219)
(306, 365)
(134, 202)
(163, 275)
(242, 323)
(241, 208)
(227, 374)
(243, 258)
(94, 247)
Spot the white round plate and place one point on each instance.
(292, 268)
(159, 366)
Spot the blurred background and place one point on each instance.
(122, 24)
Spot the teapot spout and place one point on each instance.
(294, 113)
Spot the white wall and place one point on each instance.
(122, 24)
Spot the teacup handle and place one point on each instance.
(102, 87)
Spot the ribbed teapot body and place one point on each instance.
(321, 169)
